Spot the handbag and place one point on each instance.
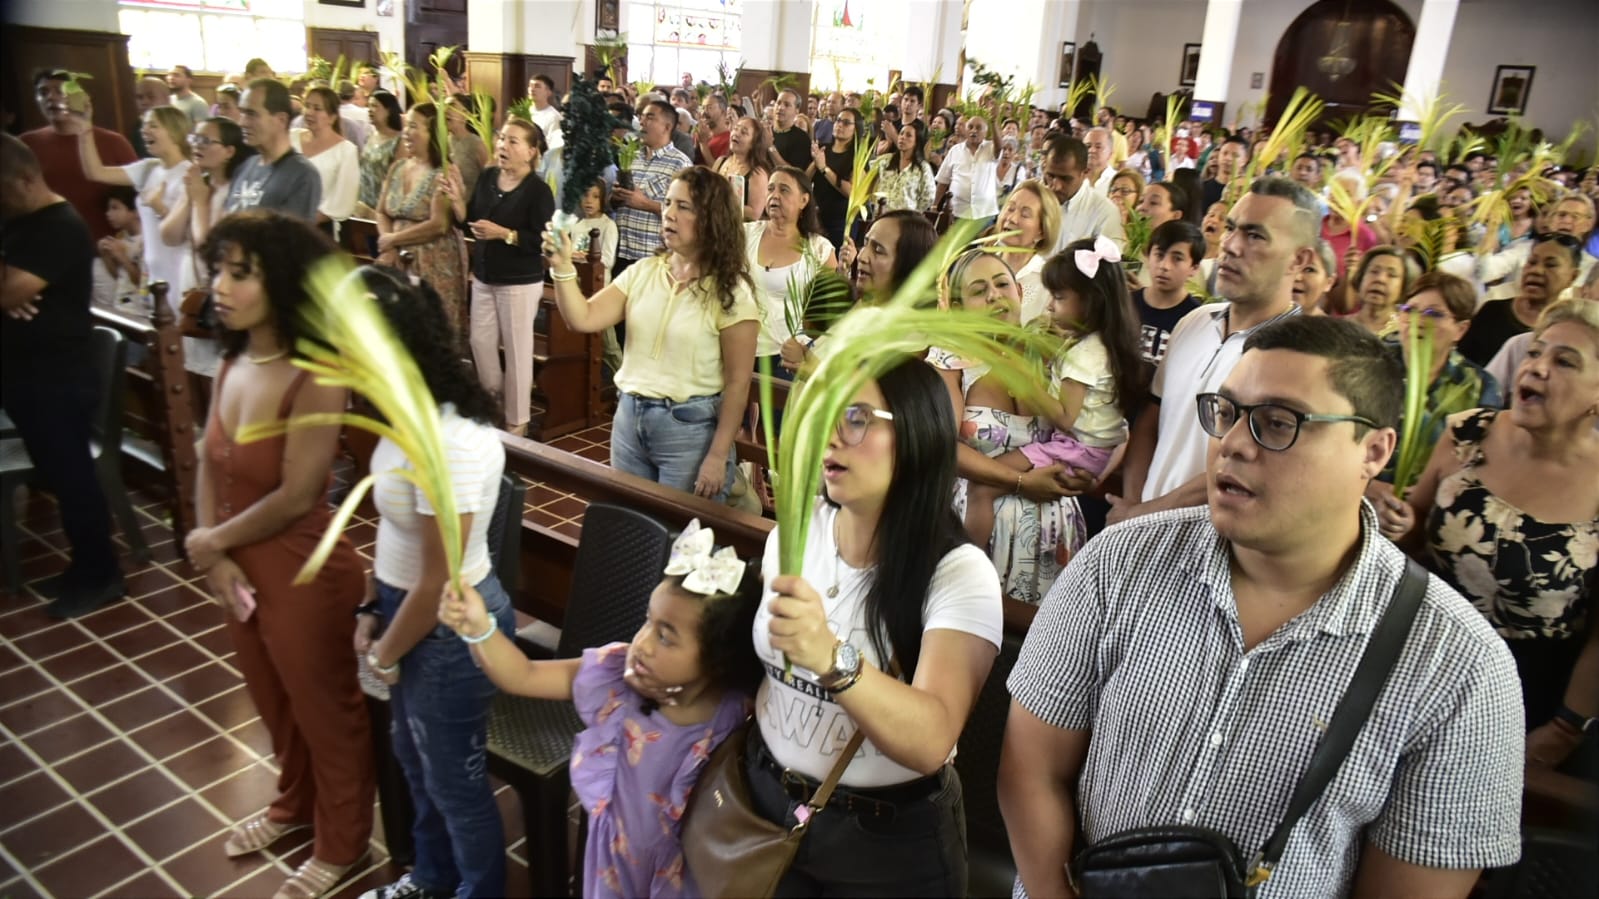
(197, 315)
(729, 847)
(1183, 862)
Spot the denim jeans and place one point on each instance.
(665, 441)
(440, 710)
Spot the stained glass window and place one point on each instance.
(669, 38)
(214, 35)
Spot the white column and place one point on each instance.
(777, 35)
(1427, 56)
(1216, 49)
(548, 27)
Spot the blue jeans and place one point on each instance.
(440, 710)
(665, 441)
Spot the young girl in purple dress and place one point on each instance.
(634, 765)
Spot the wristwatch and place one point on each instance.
(1582, 724)
(846, 668)
(510, 237)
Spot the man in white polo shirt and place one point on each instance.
(1084, 212)
(1270, 235)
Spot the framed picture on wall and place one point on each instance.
(359, 4)
(1512, 86)
(1190, 70)
(1068, 59)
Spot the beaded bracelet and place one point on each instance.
(481, 637)
(563, 276)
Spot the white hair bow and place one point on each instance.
(1104, 249)
(705, 572)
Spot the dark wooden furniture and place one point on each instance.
(103, 56)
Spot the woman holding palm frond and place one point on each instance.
(830, 170)
(262, 508)
(904, 177)
(414, 213)
(439, 698)
(786, 250)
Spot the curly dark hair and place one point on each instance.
(719, 232)
(759, 153)
(417, 316)
(430, 112)
(727, 656)
(277, 249)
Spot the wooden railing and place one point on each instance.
(159, 405)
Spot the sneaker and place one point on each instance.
(76, 601)
(405, 888)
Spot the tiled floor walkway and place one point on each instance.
(128, 745)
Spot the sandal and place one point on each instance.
(256, 834)
(314, 878)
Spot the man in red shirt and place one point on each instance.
(56, 147)
(714, 130)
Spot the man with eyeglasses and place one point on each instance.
(1184, 667)
(1270, 235)
(638, 207)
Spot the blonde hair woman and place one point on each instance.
(1033, 214)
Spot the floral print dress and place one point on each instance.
(633, 771)
(1032, 542)
(1525, 575)
(441, 261)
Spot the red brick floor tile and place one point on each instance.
(230, 709)
(143, 639)
(114, 619)
(569, 529)
(196, 620)
(172, 661)
(19, 618)
(19, 889)
(600, 454)
(136, 796)
(51, 640)
(28, 796)
(174, 829)
(217, 642)
(148, 885)
(205, 871)
(100, 766)
(150, 581)
(138, 709)
(204, 682)
(14, 763)
(91, 869)
(255, 735)
(174, 734)
(174, 600)
(20, 683)
(68, 738)
(11, 660)
(39, 712)
(566, 507)
(51, 836)
(210, 762)
(245, 793)
(109, 685)
(80, 662)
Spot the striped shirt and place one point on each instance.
(1139, 643)
(652, 176)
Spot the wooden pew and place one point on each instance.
(158, 404)
(566, 363)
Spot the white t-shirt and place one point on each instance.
(477, 459)
(173, 265)
(1100, 422)
(1199, 357)
(802, 725)
(1035, 299)
(973, 181)
(1089, 214)
(340, 168)
(773, 285)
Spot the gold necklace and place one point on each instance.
(262, 360)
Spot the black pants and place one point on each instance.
(52, 418)
(906, 840)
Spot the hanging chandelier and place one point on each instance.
(1337, 62)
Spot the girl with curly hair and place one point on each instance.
(691, 322)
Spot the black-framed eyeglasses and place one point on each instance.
(201, 141)
(1565, 240)
(856, 419)
(1432, 312)
(1273, 426)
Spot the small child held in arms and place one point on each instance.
(1096, 381)
(635, 764)
(116, 273)
(594, 218)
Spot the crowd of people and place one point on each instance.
(1221, 435)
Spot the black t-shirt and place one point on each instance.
(1158, 325)
(830, 203)
(794, 146)
(1493, 324)
(54, 244)
(1213, 191)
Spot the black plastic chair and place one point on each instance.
(990, 870)
(394, 794)
(1555, 864)
(108, 360)
(619, 562)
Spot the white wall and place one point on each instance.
(83, 15)
(1560, 37)
(390, 29)
(1142, 42)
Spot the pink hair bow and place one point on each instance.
(1104, 250)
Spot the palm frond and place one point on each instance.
(863, 180)
(1432, 113)
(482, 118)
(1287, 137)
(364, 356)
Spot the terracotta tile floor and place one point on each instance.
(128, 746)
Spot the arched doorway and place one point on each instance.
(1342, 51)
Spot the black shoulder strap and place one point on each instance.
(1375, 664)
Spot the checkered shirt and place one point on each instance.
(640, 231)
(1139, 642)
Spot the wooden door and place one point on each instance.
(1343, 51)
(332, 43)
